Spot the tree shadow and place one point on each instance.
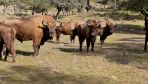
(128, 50)
(116, 15)
(24, 53)
(44, 75)
(129, 29)
(124, 51)
(69, 50)
(54, 42)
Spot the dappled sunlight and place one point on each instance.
(33, 74)
(122, 58)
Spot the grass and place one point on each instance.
(121, 60)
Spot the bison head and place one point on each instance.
(47, 30)
(92, 28)
(111, 24)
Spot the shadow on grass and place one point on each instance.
(41, 75)
(126, 51)
(24, 53)
(116, 15)
(130, 29)
(69, 50)
(54, 42)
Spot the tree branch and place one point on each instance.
(144, 12)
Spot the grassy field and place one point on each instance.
(121, 60)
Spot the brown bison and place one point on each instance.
(66, 29)
(38, 28)
(146, 33)
(106, 28)
(87, 30)
(7, 37)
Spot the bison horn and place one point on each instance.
(58, 23)
(44, 23)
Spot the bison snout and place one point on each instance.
(51, 35)
(94, 33)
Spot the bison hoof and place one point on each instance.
(35, 54)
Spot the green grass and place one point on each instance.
(121, 60)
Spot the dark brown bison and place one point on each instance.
(7, 37)
(66, 29)
(106, 28)
(87, 30)
(146, 33)
(38, 28)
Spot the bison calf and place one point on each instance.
(88, 31)
(66, 29)
(7, 37)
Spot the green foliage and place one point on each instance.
(39, 5)
(136, 5)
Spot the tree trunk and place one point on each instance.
(5, 8)
(59, 10)
(88, 2)
(88, 5)
(115, 4)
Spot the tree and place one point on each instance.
(66, 5)
(104, 2)
(137, 5)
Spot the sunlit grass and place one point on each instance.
(121, 60)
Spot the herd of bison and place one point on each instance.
(40, 28)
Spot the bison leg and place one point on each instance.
(102, 42)
(72, 38)
(8, 48)
(58, 37)
(81, 42)
(36, 44)
(7, 52)
(13, 52)
(92, 44)
(102, 39)
(36, 50)
(88, 44)
(1, 49)
(58, 34)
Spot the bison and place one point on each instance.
(7, 37)
(66, 29)
(38, 28)
(106, 28)
(87, 30)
